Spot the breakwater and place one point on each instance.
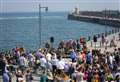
(114, 22)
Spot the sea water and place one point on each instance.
(22, 29)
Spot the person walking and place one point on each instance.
(73, 55)
(29, 76)
(43, 77)
(6, 77)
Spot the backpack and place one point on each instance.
(109, 77)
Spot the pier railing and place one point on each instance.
(115, 22)
(110, 32)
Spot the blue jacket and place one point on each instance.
(72, 55)
(6, 77)
(89, 57)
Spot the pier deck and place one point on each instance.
(114, 22)
(115, 19)
(108, 38)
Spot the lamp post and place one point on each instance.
(40, 24)
(105, 22)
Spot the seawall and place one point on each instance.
(114, 22)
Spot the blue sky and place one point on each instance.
(57, 5)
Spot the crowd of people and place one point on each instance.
(72, 61)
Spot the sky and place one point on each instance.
(57, 5)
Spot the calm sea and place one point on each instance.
(22, 29)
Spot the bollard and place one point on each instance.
(118, 29)
(119, 36)
(115, 30)
(91, 44)
(102, 34)
(51, 41)
(95, 40)
(105, 34)
(98, 35)
(89, 38)
(109, 32)
(112, 31)
(100, 44)
(47, 45)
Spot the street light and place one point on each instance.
(40, 27)
(105, 22)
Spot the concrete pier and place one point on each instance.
(114, 22)
(108, 38)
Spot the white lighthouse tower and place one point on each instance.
(76, 11)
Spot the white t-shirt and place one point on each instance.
(30, 57)
(60, 64)
(22, 60)
(43, 62)
(111, 59)
(48, 56)
(54, 61)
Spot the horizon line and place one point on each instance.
(54, 11)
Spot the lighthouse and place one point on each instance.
(76, 11)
